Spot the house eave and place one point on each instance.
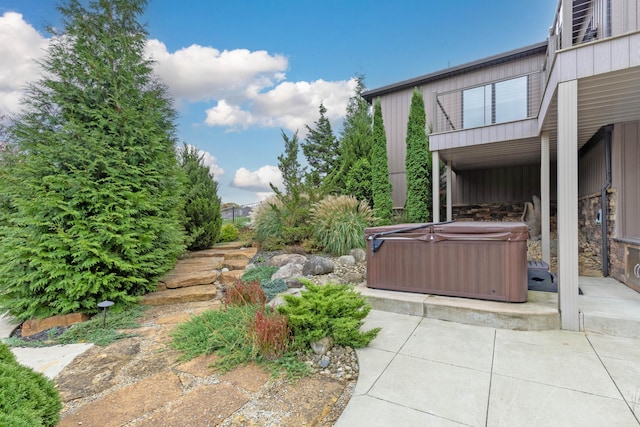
(511, 55)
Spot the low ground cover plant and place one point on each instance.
(228, 232)
(89, 331)
(262, 274)
(246, 330)
(27, 398)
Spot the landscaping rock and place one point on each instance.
(180, 295)
(324, 362)
(322, 346)
(33, 326)
(194, 278)
(360, 255)
(287, 271)
(347, 260)
(317, 265)
(353, 277)
(284, 259)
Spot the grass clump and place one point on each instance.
(262, 274)
(330, 310)
(27, 398)
(240, 334)
(338, 223)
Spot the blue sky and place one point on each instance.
(242, 71)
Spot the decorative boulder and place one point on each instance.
(284, 259)
(322, 346)
(360, 255)
(317, 265)
(287, 271)
(347, 260)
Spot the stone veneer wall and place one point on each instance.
(590, 233)
(490, 212)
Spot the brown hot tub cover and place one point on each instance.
(485, 260)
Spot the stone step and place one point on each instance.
(229, 277)
(230, 245)
(235, 264)
(180, 295)
(196, 278)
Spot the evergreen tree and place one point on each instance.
(294, 201)
(356, 139)
(381, 187)
(358, 182)
(418, 163)
(202, 218)
(94, 182)
(320, 149)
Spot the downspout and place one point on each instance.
(603, 200)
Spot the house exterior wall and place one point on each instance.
(396, 105)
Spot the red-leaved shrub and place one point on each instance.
(270, 333)
(243, 293)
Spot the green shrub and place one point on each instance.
(358, 183)
(330, 310)
(228, 233)
(27, 398)
(201, 202)
(338, 223)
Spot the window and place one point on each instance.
(499, 102)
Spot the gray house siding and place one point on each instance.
(396, 105)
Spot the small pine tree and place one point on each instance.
(355, 143)
(320, 149)
(93, 184)
(381, 187)
(358, 182)
(293, 209)
(202, 218)
(418, 163)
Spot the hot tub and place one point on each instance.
(484, 260)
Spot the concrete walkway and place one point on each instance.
(429, 372)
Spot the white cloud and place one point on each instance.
(258, 180)
(209, 160)
(202, 73)
(247, 87)
(264, 195)
(288, 105)
(20, 46)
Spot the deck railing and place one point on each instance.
(494, 102)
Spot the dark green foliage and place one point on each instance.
(358, 182)
(228, 233)
(381, 187)
(330, 310)
(273, 287)
(27, 398)
(418, 163)
(338, 223)
(290, 211)
(260, 273)
(355, 142)
(202, 218)
(320, 149)
(93, 186)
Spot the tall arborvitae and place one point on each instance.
(381, 187)
(94, 184)
(356, 140)
(418, 163)
(320, 149)
(202, 218)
